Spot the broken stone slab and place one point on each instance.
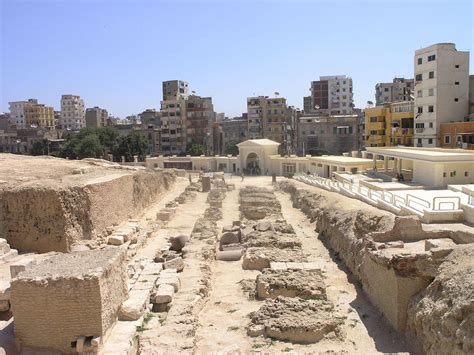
(169, 279)
(4, 246)
(21, 265)
(136, 305)
(230, 255)
(264, 226)
(446, 243)
(164, 294)
(116, 240)
(278, 266)
(396, 244)
(165, 214)
(176, 263)
(260, 258)
(122, 338)
(152, 269)
(169, 271)
(13, 253)
(229, 238)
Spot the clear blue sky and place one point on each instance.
(115, 54)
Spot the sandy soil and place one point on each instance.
(224, 319)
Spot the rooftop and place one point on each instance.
(425, 154)
(263, 142)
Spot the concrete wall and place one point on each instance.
(440, 174)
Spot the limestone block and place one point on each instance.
(13, 253)
(152, 269)
(135, 306)
(278, 266)
(21, 265)
(4, 247)
(439, 243)
(169, 279)
(264, 226)
(164, 294)
(116, 240)
(229, 238)
(176, 263)
(4, 290)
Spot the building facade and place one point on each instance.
(96, 117)
(200, 119)
(332, 95)
(73, 115)
(175, 89)
(30, 113)
(441, 90)
(234, 131)
(457, 135)
(389, 125)
(328, 134)
(400, 89)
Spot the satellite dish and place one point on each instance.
(317, 107)
(276, 93)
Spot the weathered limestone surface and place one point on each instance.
(296, 320)
(72, 295)
(48, 204)
(442, 316)
(260, 258)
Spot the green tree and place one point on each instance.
(108, 137)
(132, 144)
(89, 147)
(40, 147)
(232, 149)
(195, 149)
(316, 152)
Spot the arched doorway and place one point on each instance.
(253, 164)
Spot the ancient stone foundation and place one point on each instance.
(69, 301)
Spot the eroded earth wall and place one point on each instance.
(53, 217)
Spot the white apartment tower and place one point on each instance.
(332, 95)
(73, 115)
(441, 90)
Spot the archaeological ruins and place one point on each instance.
(105, 258)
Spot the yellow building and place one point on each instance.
(389, 125)
(38, 114)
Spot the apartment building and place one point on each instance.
(175, 89)
(30, 113)
(457, 135)
(73, 115)
(332, 95)
(328, 134)
(389, 125)
(400, 89)
(271, 118)
(441, 90)
(234, 131)
(96, 117)
(200, 119)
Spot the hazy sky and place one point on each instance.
(115, 54)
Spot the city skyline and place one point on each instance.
(228, 51)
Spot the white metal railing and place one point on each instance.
(439, 203)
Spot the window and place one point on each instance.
(419, 140)
(419, 93)
(431, 58)
(430, 140)
(431, 75)
(447, 139)
(444, 174)
(456, 99)
(420, 109)
(430, 92)
(431, 124)
(373, 133)
(419, 77)
(466, 173)
(456, 83)
(457, 66)
(386, 90)
(431, 108)
(420, 61)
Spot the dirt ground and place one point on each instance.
(223, 321)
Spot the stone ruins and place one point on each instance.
(103, 258)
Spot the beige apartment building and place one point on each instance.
(96, 117)
(400, 89)
(30, 113)
(441, 90)
(73, 115)
(331, 95)
(200, 118)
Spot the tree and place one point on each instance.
(40, 147)
(195, 149)
(89, 147)
(232, 149)
(317, 152)
(131, 144)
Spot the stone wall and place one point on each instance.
(69, 296)
(49, 217)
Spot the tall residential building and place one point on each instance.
(200, 119)
(234, 131)
(29, 113)
(73, 115)
(269, 117)
(96, 117)
(332, 95)
(441, 90)
(389, 125)
(400, 89)
(471, 94)
(175, 89)
(151, 117)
